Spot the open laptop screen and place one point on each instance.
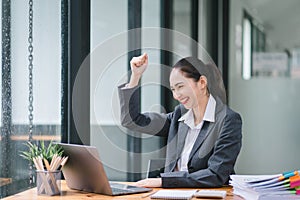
(84, 171)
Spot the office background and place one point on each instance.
(81, 51)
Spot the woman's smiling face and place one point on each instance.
(185, 90)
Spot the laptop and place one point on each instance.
(84, 171)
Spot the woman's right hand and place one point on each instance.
(138, 65)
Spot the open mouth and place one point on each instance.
(184, 100)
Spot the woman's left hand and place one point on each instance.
(149, 182)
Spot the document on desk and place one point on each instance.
(277, 186)
(173, 194)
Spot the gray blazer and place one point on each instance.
(214, 153)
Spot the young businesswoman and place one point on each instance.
(203, 134)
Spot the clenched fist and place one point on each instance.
(138, 65)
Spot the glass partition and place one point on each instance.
(108, 69)
(269, 51)
(264, 82)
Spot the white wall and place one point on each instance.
(269, 108)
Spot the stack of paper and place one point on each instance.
(277, 186)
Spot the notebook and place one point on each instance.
(173, 194)
(84, 171)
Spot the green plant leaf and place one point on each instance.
(46, 151)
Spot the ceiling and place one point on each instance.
(280, 19)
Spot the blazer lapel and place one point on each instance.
(201, 137)
(206, 127)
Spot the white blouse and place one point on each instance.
(193, 132)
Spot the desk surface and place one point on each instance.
(67, 193)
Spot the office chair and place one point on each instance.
(155, 167)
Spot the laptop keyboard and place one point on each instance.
(120, 191)
(118, 188)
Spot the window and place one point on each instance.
(46, 88)
(263, 55)
(246, 49)
(254, 43)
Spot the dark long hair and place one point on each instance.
(192, 67)
(189, 66)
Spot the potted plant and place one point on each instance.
(47, 160)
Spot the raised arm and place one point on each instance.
(138, 65)
(129, 96)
